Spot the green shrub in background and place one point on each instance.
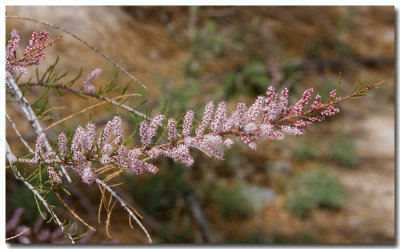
(313, 189)
(301, 203)
(249, 80)
(303, 150)
(231, 202)
(343, 151)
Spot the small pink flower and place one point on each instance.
(107, 149)
(293, 131)
(105, 159)
(55, 177)
(154, 153)
(181, 154)
(330, 111)
(228, 142)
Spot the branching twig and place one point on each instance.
(88, 108)
(82, 198)
(84, 42)
(12, 159)
(15, 236)
(93, 95)
(32, 119)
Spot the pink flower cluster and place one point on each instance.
(88, 87)
(270, 117)
(32, 53)
(81, 147)
(49, 158)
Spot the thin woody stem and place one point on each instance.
(12, 160)
(18, 134)
(32, 119)
(93, 95)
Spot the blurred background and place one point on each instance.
(333, 185)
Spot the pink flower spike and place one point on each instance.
(272, 107)
(151, 168)
(87, 86)
(330, 111)
(187, 123)
(62, 144)
(39, 147)
(154, 124)
(117, 123)
(12, 45)
(208, 111)
(293, 131)
(255, 109)
(172, 129)
(190, 141)
(332, 94)
(33, 53)
(283, 103)
(134, 154)
(266, 129)
(250, 128)
(107, 149)
(87, 174)
(154, 153)
(299, 107)
(40, 142)
(78, 139)
(93, 75)
(241, 112)
(144, 133)
(54, 176)
(317, 102)
(219, 119)
(182, 154)
(89, 138)
(302, 123)
(249, 143)
(232, 122)
(270, 94)
(210, 143)
(78, 156)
